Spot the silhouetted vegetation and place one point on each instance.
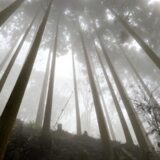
(26, 144)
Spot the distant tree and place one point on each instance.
(99, 112)
(106, 111)
(7, 12)
(78, 120)
(49, 103)
(43, 96)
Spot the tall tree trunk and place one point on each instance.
(137, 126)
(99, 112)
(115, 100)
(9, 114)
(139, 40)
(106, 111)
(127, 133)
(78, 120)
(11, 63)
(7, 56)
(48, 109)
(42, 102)
(7, 12)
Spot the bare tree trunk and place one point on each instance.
(42, 102)
(137, 126)
(7, 12)
(99, 112)
(106, 111)
(139, 40)
(48, 109)
(9, 114)
(127, 133)
(4, 61)
(115, 100)
(78, 120)
(11, 63)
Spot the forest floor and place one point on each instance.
(27, 143)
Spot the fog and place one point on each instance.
(142, 16)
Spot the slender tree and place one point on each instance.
(115, 100)
(11, 109)
(146, 89)
(99, 112)
(7, 56)
(137, 126)
(43, 96)
(48, 109)
(127, 133)
(106, 111)
(11, 63)
(78, 120)
(118, 108)
(139, 40)
(7, 12)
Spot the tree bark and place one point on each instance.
(7, 12)
(9, 114)
(48, 108)
(106, 112)
(99, 112)
(115, 100)
(42, 102)
(78, 120)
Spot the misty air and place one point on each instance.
(79, 79)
